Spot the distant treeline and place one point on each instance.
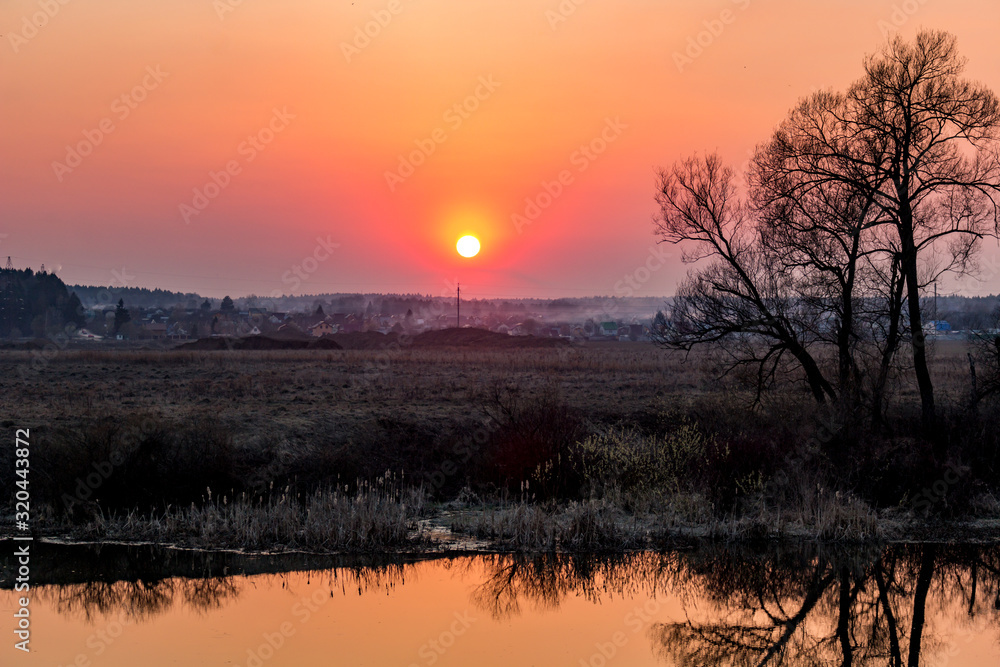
(370, 303)
(98, 296)
(961, 312)
(34, 304)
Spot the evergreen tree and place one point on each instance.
(121, 315)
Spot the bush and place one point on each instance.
(637, 463)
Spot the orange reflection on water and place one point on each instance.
(713, 608)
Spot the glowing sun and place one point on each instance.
(468, 246)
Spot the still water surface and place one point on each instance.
(903, 605)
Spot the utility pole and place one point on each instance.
(458, 306)
(935, 302)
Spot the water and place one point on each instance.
(127, 606)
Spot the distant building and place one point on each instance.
(154, 330)
(322, 329)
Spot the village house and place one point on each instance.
(322, 329)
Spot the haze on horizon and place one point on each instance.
(213, 146)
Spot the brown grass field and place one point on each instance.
(620, 431)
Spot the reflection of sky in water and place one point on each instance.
(707, 607)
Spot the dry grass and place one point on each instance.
(592, 525)
(377, 517)
(658, 448)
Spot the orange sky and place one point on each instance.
(333, 114)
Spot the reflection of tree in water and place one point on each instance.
(807, 607)
(138, 600)
(543, 580)
(835, 609)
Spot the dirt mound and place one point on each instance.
(373, 340)
(290, 333)
(481, 338)
(261, 343)
(326, 342)
(36, 344)
(364, 340)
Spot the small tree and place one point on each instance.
(227, 305)
(121, 315)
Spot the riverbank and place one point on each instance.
(373, 524)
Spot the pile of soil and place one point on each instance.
(36, 344)
(483, 339)
(373, 340)
(261, 343)
(365, 340)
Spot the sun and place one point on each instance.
(468, 246)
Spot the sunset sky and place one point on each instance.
(372, 153)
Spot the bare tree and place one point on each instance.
(984, 362)
(741, 299)
(823, 228)
(921, 143)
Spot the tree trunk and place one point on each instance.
(896, 285)
(818, 384)
(919, 342)
(920, 604)
(844, 619)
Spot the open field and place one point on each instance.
(599, 445)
